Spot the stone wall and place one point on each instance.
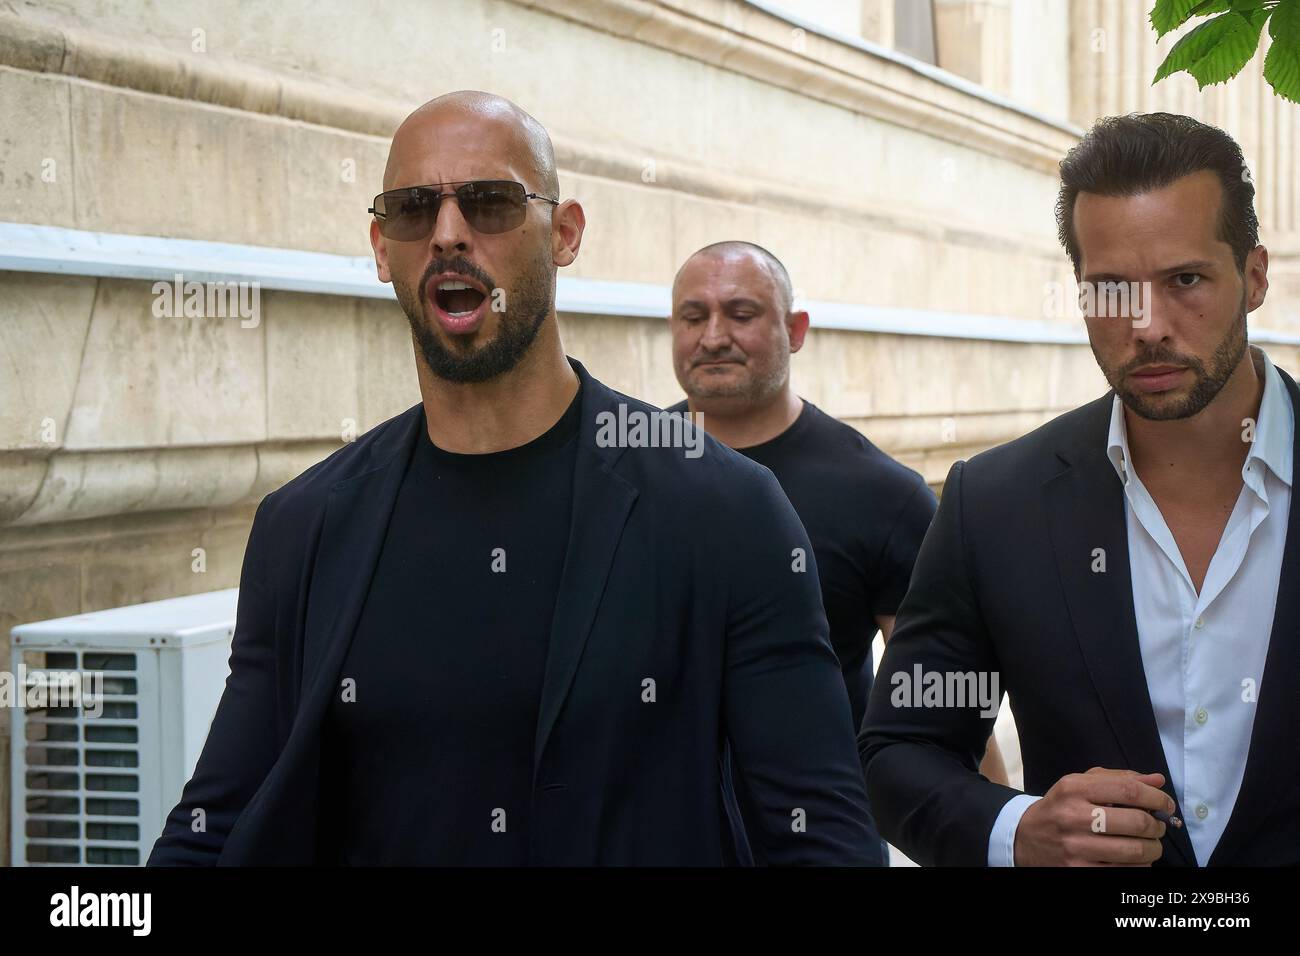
(128, 441)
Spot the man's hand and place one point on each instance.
(1098, 818)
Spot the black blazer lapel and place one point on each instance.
(352, 536)
(1085, 512)
(1277, 717)
(602, 502)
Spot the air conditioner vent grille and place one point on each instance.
(82, 765)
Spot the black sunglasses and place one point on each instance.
(490, 206)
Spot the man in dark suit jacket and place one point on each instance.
(509, 626)
(1129, 573)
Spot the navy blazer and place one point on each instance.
(1004, 583)
(679, 570)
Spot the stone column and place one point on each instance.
(973, 40)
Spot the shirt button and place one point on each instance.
(1202, 715)
(1200, 623)
(1202, 812)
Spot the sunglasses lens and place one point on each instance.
(492, 207)
(408, 213)
(489, 207)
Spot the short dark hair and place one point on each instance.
(1133, 154)
(774, 265)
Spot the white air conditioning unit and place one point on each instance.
(93, 782)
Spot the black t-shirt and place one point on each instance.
(430, 762)
(865, 514)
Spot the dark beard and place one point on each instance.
(1210, 378)
(528, 306)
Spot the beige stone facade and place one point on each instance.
(918, 198)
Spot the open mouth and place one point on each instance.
(460, 304)
(458, 298)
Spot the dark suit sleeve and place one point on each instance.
(786, 711)
(243, 741)
(921, 761)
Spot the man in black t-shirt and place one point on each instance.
(734, 328)
(489, 633)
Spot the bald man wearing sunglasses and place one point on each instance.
(482, 635)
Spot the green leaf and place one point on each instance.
(1282, 65)
(1216, 50)
(1169, 15)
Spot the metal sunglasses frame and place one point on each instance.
(461, 184)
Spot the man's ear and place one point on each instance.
(1256, 278)
(798, 323)
(381, 252)
(567, 223)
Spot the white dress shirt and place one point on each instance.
(1203, 654)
